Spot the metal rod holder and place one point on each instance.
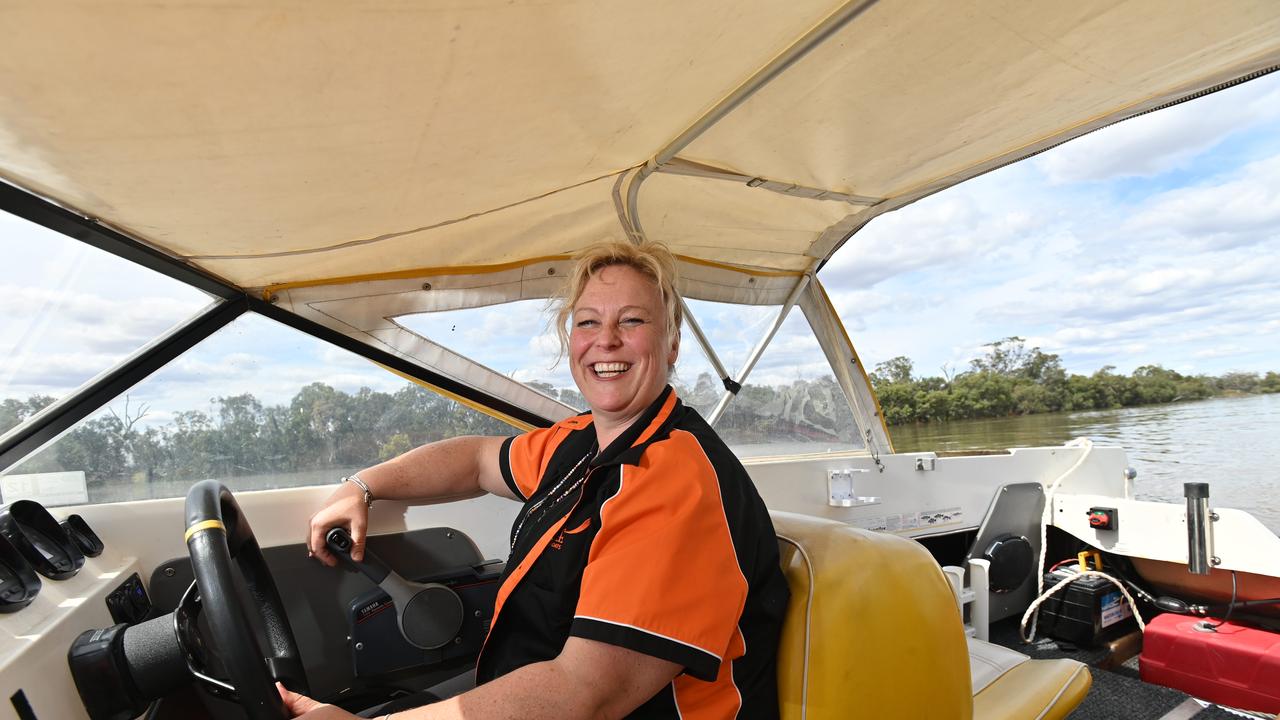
(1198, 520)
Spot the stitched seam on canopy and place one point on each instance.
(389, 236)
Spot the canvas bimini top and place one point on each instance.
(337, 159)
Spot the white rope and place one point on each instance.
(1047, 516)
(1067, 581)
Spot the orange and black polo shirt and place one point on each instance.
(659, 544)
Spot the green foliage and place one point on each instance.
(13, 412)
(322, 430)
(1011, 379)
(395, 445)
(894, 370)
(1270, 384)
(319, 429)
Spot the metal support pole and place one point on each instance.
(718, 366)
(833, 24)
(760, 346)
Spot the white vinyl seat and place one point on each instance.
(873, 630)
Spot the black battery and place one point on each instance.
(1087, 612)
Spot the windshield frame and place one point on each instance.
(230, 302)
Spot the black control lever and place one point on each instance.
(429, 614)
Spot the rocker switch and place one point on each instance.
(1103, 518)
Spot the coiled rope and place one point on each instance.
(1045, 518)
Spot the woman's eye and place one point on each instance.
(632, 321)
(585, 323)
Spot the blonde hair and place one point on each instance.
(651, 259)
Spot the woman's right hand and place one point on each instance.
(344, 508)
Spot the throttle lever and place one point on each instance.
(429, 614)
(339, 543)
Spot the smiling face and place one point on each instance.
(619, 350)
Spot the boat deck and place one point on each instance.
(1117, 693)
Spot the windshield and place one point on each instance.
(257, 405)
(69, 311)
(789, 404)
(515, 339)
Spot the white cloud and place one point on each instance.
(31, 315)
(855, 306)
(1236, 211)
(350, 383)
(938, 230)
(52, 374)
(1221, 351)
(1152, 144)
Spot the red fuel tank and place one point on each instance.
(1237, 665)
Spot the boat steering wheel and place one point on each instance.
(217, 533)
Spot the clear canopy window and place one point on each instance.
(732, 331)
(69, 311)
(789, 404)
(516, 339)
(257, 405)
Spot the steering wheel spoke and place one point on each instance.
(186, 628)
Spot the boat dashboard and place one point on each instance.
(139, 635)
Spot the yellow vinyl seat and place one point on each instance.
(873, 630)
(1008, 685)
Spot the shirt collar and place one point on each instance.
(629, 446)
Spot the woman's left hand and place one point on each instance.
(301, 706)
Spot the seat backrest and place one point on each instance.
(872, 630)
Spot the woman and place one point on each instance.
(643, 579)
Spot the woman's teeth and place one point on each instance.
(608, 370)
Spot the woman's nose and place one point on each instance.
(608, 335)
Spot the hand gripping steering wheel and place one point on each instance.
(217, 533)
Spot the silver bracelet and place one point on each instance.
(368, 494)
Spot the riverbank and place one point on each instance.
(1012, 380)
(1233, 443)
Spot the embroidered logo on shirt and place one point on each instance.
(558, 542)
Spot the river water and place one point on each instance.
(1231, 443)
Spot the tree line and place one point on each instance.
(1012, 379)
(322, 428)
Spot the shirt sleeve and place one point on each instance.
(523, 458)
(662, 577)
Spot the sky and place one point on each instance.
(1153, 241)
